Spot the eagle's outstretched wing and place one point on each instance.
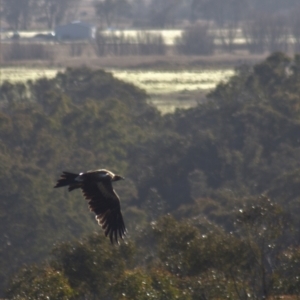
(105, 203)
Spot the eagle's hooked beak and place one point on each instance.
(117, 178)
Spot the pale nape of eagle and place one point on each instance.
(97, 189)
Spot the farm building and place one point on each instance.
(76, 30)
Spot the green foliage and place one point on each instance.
(155, 284)
(208, 166)
(134, 285)
(192, 260)
(168, 286)
(242, 139)
(289, 282)
(42, 283)
(90, 262)
(264, 226)
(77, 121)
(188, 252)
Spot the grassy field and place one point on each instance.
(174, 89)
(16, 74)
(168, 90)
(164, 82)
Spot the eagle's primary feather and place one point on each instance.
(97, 189)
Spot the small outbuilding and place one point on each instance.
(76, 30)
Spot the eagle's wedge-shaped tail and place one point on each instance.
(68, 178)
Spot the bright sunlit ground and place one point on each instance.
(23, 74)
(162, 82)
(174, 89)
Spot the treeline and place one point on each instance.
(172, 259)
(209, 27)
(260, 35)
(211, 196)
(32, 14)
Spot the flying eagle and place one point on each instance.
(97, 189)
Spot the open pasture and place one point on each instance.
(18, 74)
(168, 90)
(174, 89)
(165, 82)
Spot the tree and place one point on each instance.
(200, 164)
(161, 12)
(255, 33)
(156, 283)
(289, 281)
(39, 282)
(135, 285)
(228, 34)
(221, 12)
(55, 11)
(91, 265)
(19, 13)
(295, 29)
(195, 40)
(277, 34)
(42, 124)
(264, 227)
(110, 9)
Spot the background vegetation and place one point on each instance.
(161, 14)
(211, 199)
(207, 27)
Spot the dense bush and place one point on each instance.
(238, 143)
(191, 259)
(79, 120)
(228, 170)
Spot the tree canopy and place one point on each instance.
(210, 198)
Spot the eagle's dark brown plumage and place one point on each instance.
(102, 199)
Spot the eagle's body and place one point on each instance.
(97, 189)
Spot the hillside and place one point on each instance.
(210, 198)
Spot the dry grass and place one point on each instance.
(61, 56)
(166, 81)
(161, 62)
(13, 74)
